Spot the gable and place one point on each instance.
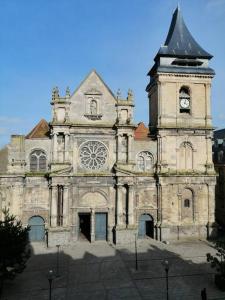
(93, 102)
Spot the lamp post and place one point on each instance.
(57, 261)
(166, 266)
(136, 255)
(50, 277)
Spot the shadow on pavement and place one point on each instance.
(102, 271)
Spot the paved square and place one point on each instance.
(103, 271)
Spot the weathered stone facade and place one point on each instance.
(93, 172)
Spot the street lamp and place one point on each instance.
(166, 265)
(50, 277)
(57, 261)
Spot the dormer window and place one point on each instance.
(185, 100)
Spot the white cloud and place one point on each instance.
(9, 120)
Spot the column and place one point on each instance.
(65, 206)
(119, 205)
(92, 225)
(54, 146)
(211, 203)
(179, 197)
(53, 210)
(67, 137)
(130, 205)
(159, 153)
(129, 152)
(119, 141)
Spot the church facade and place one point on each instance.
(92, 173)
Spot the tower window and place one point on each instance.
(185, 100)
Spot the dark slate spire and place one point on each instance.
(179, 42)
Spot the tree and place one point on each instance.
(14, 247)
(218, 262)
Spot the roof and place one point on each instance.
(141, 132)
(41, 130)
(219, 133)
(180, 42)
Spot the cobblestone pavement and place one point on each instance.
(102, 271)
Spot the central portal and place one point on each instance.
(85, 226)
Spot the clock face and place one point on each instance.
(184, 103)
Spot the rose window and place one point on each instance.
(93, 155)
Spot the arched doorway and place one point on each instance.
(37, 229)
(146, 226)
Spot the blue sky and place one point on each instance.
(47, 43)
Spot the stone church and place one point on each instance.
(92, 173)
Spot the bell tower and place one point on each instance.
(181, 122)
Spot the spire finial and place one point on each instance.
(67, 92)
(118, 94)
(130, 95)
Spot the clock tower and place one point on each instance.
(181, 122)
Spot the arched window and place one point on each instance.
(185, 100)
(38, 161)
(145, 161)
(93, 107)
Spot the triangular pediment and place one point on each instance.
(93, 76)
(122, 172)
(93, 102)
(65, 171)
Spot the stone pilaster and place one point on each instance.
(92, 225)
(65, 206)
(130, 205)
(119, 142)
(119, 205)
(53, 211)
(54, 152)
(67, 138)
(129, 152)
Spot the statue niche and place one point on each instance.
(93, 109)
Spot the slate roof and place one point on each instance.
(180, 42)
(41, 130)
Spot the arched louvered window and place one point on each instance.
(38, 161)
